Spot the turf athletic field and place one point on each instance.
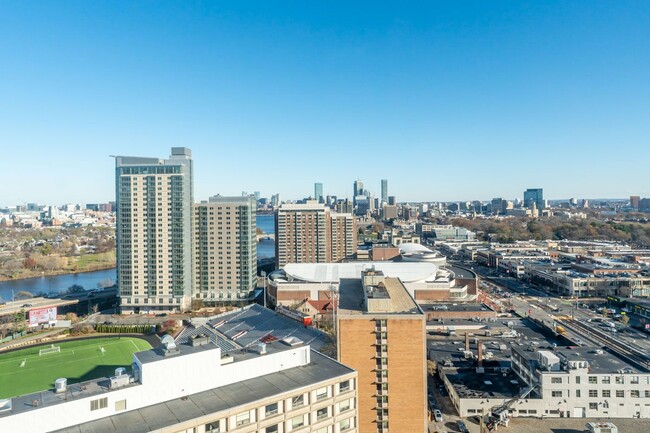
(24, 371)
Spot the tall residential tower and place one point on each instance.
(225, 249)
(154, 199)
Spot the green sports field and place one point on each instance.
(24, 371)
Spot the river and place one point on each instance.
(57, 283)
(90, 280)
(266, 247)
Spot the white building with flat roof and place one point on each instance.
(278, 387)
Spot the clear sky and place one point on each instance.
(447, 100)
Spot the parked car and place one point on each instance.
(437, 415)
(462, 427)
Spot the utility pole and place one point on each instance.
(263, 273)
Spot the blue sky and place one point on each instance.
(447, 100)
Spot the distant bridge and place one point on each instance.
(262, 236)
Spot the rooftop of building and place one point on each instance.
(497, 337)
(310, 205)
(76, 391)
(352, 298)
(159, 416)
(333, 272)
(247, 326)
(460, 272)
(470, 384)
(600, 361)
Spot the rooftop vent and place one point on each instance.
(60, 385)
(292, 341)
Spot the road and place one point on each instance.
(582, 325)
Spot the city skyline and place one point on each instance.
(543, 92)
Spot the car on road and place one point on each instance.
(437, 415)
(462, 427)
(27, 305)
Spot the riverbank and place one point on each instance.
(74, 265)
(57, 274)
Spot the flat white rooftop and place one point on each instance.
(333, 272)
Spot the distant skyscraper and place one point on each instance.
(384, 191)
(358, 188)
(392, 200)
(225, 255)
(634, 201)
(275, 200)
(318, 193)
(358, 191)
(154, 231)
(535, 195)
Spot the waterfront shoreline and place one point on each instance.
(57, 274)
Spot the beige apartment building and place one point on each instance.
(225, 249)
(381, 333)
(310, 233)
(154, 199)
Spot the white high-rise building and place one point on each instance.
(154, 199)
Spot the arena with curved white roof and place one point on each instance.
(424, 280)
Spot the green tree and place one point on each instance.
(76, 288)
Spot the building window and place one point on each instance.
(243, 418)
(620, 380)
(272, 429)
(345, 424)
(578, 379)
(593, 393)
(647, 393)
(593, 405)
(321, 393)
(577, 393)
(556, 380)
(99, 403)
(213, 427)
(635, 393)
(620, 393)
(634, 380)
(606, 393)
(321, 413)
(344, 386)
(593, 379)
(271, 409)
(297, 401)
(297, 422)
(345, 405)
(606, 380)
(556, 393)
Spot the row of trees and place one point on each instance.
(124, 329)
(513, 229)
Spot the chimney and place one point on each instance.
(467, 341)
(480, 354)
